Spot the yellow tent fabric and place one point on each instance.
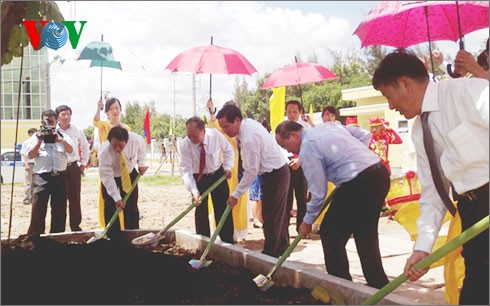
(240, 222)
(311, 112)
(277, 106)
(453, 263)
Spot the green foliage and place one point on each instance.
(351, 70)
(14, 35)
(89, 132)
(160, 124)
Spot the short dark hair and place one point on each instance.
(31, 131)
(230, 112)
(109, 103)
(399, 63)
(285, 128)
(295, 102)
(330, 109)
(62, 108)
(119, 133)
(49, 113)
(266, 124)
(197, 121)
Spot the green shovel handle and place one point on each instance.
(296, 240)
(447, 248)
(217, 231)
(118, 210)
(194, 204)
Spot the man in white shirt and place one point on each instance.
(458, 121)
(28, 166)
(49, 148)
(206, 156)
(261, 155)
(74, 172)
(132, 146)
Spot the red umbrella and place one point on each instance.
(401, 24)
(296, 74)
(211, 59)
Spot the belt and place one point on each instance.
(68, 164)
(473, 195)
(372, 168)
(210, 173)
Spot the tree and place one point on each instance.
(14, 35)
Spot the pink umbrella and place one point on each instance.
(401, 24)
(298, 73)
(211, 59)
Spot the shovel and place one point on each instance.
(202, 262)
(98, 236)
(458, 241)
(265, 282)
(151, 238)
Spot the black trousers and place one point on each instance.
(131, 212)
(475, 252)
(220, 196)
(47, 185)
(274, 211)
(355, 209)
(298, 186)
(73, 188)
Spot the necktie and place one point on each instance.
(434, 164)
(125, 179)
(202, 162)
(240, 163)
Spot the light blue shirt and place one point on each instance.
(52, 157)
(329, 152)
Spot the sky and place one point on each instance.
(147, 35)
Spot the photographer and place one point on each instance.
(49, 148)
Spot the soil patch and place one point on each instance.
(38, 270)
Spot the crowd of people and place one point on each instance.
(452, 161)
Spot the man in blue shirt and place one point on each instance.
(329, 152)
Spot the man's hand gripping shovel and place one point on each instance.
(152, 238)
(97, 235)
(264, 282)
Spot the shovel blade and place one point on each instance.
(263, 282)
(148, 238)
(198, 263)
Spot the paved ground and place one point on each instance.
(396, 247)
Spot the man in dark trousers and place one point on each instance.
(74, 171)
(329, 152)
(451, 138)
(201, 165)
(49, 148)
(261, 156)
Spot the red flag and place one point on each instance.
(146, 126)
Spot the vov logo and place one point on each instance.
(54, 35)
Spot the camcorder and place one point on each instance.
(48, 132)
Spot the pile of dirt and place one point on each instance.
(39, 270)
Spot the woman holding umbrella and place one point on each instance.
(113, 111)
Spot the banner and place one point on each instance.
(277, 106)
(146, 126)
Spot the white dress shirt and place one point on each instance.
(135, 153)
(260, 154)
(459, 125)
(52, 157)
(214, 144)
(80, 142)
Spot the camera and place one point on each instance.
(48, 132)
